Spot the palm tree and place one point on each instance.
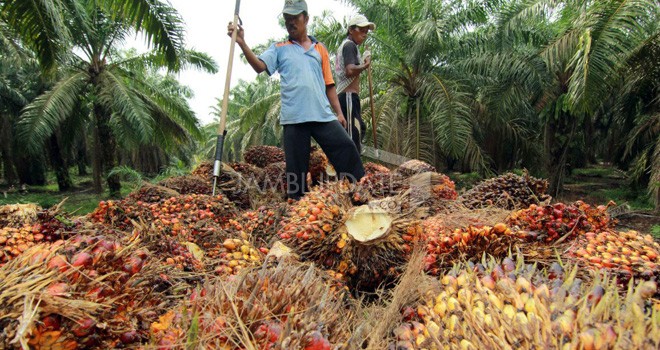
(422, 97)
(123, 107)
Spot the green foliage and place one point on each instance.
(655, 231)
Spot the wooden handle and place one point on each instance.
(371, 103)
(225, 97)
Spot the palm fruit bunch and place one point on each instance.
(318, 164)
(382, 185)
(550, 222)
(187, 185)
(284, 307)
(512, 305)
(262, 156)
(444, 246)
(46, 226)
(275, 177)
(17, 215)
(373, 168)
(368, 243)
(151, 193)
(630, 253)
(234, 255)
(263, 223)
(230, 182)
(508, 191)
(67, 286)
(414, 167)
(251, 173)
(186, 215)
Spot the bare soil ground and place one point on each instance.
(589, 189)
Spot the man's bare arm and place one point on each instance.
(254, 61)
(331, 92)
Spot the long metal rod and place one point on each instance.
(222, 131)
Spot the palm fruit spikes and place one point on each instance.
(368, 244)
(262, 156)
(508, 191)
(288, 306)
(513, 305)
(551, 222)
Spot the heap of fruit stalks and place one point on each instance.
(398, 260)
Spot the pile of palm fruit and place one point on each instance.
(396, 261)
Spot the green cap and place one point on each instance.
(294, 7)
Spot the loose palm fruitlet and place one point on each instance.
(263, 223)
(414, 167)
(630, 253)
(262, 156)
(508, 191)
(551, 222)
(514, 306)
(46, 226)
(183, 216)
(369, 243)
(234, 255)
(288, 306)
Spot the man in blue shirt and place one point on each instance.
(307, 92)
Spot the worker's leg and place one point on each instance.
(339, 148)
(296, 140)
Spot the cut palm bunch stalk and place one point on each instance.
(430, 189)
(508, 191)
(288, 306)
(92, 292)
(367, 244)
(17, 215)
(512, 305)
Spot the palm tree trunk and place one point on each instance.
(556, 152)
(97, 162)
(417, 136)
(58, 163)
(81, 156)
(108, 145)
(6, 152)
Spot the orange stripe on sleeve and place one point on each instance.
(325, 64)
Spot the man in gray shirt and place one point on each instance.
(348, 67)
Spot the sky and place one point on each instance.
(206, 31)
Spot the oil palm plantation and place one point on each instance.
(97, 88)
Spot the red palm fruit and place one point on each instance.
(316, 341)
(82, 259)
(57, 289)
(83, 327)
(58, 262)
(133, 265)
(129, 337)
